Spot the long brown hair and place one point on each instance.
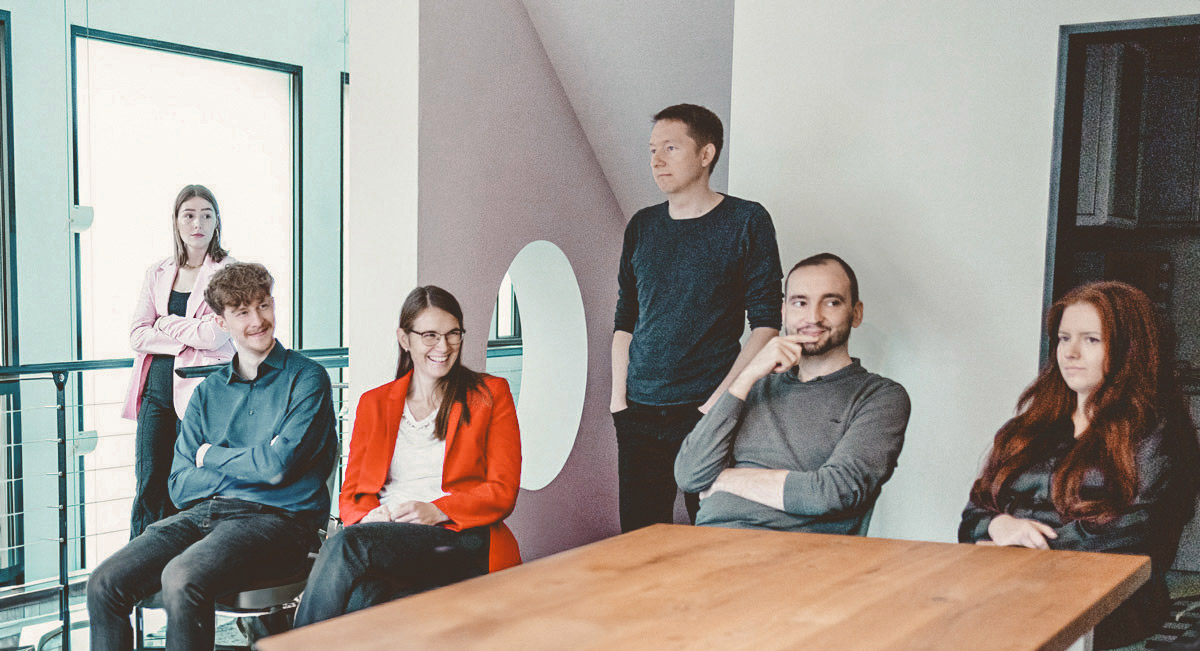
(214, 245)
(1137, 394)
(457, 385)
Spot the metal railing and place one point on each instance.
(60, 373)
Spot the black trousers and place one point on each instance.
(154, 447)
(216, 547)
(372, 563)
(648, 440)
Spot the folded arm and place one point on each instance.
(707, 450)
(143, 336)
(200, 333)
(861, 461)
(1150, 514)
(187, 481)
(307, 429)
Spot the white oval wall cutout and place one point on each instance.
(554, 360)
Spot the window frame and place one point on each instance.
(10, 398)
(496, 341)
(297, 73)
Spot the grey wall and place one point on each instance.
(531, 120)
(621, 61)
(503, 162)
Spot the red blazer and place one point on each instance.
(481, 471)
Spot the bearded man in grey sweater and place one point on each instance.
(805, 437)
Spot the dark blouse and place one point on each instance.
(161, 366)
(1151, 525)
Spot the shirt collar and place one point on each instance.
(275, 359)
(853, 368)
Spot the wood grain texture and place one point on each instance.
(671, 586)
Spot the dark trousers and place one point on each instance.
(154, 447)
(210, 550)
(648, 440)
(372, 563)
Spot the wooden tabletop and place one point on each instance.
(671, 586)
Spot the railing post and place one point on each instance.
(64, 603)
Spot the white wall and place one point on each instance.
(381, 181)
(309, 35)
(914, 139)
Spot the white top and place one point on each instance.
(416, 470)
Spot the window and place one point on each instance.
(150, 118)
(506, 317)
(345, 326)
(11, 538)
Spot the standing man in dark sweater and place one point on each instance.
(805, 437)
(692, 270)
(256, 445)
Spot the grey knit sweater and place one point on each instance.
(839, 436)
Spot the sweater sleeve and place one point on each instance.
(707, 450)
(1148, 517)
(974, 524)
(861, 461)
(627, 297)
(763, 272)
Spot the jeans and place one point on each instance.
(375, 562)
(154, 447)
(648, 440)
(210, 550)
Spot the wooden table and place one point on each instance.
(671, 586)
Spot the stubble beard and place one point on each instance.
(837, 337)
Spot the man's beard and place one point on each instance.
(837, 337)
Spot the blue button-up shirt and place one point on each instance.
(273, 438)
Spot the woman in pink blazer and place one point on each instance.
(173, 327)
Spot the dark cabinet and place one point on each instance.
(1140, 135)
(1110, 138)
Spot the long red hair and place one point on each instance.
(1137, 393)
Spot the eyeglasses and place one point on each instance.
(431, 338)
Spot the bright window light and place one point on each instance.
(150, 122)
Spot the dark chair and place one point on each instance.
(271, 602)
(865, 523)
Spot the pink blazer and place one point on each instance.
(194, 339)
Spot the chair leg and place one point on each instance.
(139, 634)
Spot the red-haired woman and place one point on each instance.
(1101, 454)
(434, 468)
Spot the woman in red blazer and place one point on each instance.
(434, 468)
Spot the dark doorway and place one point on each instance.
(1125, 196)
